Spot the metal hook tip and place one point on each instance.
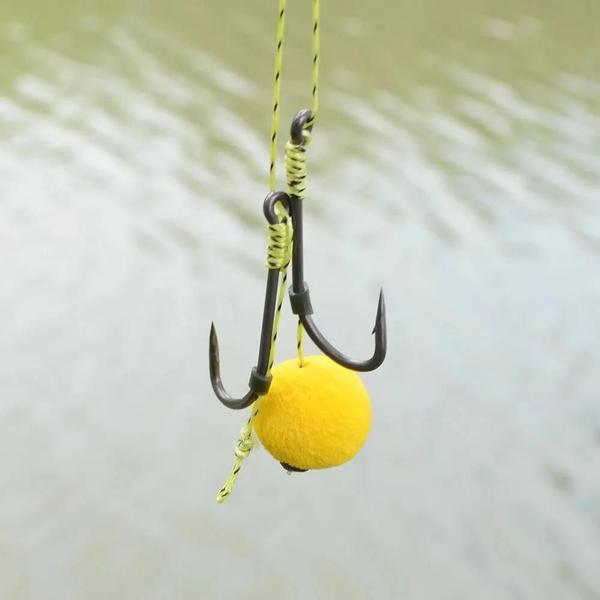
(213, 351)
(380, 316)
(214, 340)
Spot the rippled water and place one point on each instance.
(456, 161)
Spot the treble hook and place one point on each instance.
(260, 381)
(299, 294)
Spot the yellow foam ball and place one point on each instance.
(315, 416)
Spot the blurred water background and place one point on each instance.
(456, 162)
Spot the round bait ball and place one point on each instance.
(315, 416)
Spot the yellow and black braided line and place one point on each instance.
(279, 251)
(281, 234)
(316, 59)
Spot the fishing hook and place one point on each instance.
(260, 380)
(299, 293)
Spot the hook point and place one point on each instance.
(213, 348)
(380, 316)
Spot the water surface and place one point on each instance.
(455, 162)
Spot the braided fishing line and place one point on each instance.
(280, 235)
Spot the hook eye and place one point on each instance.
(301, 122)
(272, 199)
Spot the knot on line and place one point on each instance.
(295, 165)
(242, 450)
(245, 444)
(279, 250)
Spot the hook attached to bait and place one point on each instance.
(260, 379)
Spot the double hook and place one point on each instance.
(260, 379)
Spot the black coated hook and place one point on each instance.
(259, 380)
(299, 294)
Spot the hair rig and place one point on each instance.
(312, 412)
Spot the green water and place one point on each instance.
(456, 162)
